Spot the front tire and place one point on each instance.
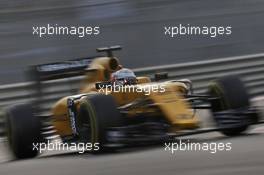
(100, 112)
(232, 95)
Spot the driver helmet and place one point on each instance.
(124, 77)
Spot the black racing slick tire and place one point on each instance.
(231, 94)
(23, 129)
(100, 112)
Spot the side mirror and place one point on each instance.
(161, 76)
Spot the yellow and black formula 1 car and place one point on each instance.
(114, 107)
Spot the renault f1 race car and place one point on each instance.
(115, 108)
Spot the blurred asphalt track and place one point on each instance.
(246, 157)
(137, 25)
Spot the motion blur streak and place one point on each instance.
(127, 23)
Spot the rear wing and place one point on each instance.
(66, 69)
(40, 75)
(59, 70)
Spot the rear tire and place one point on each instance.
(231, 94)
(23, 129)
(101, 112)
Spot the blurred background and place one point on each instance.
(137, 25)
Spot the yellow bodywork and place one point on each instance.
(168, 103)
